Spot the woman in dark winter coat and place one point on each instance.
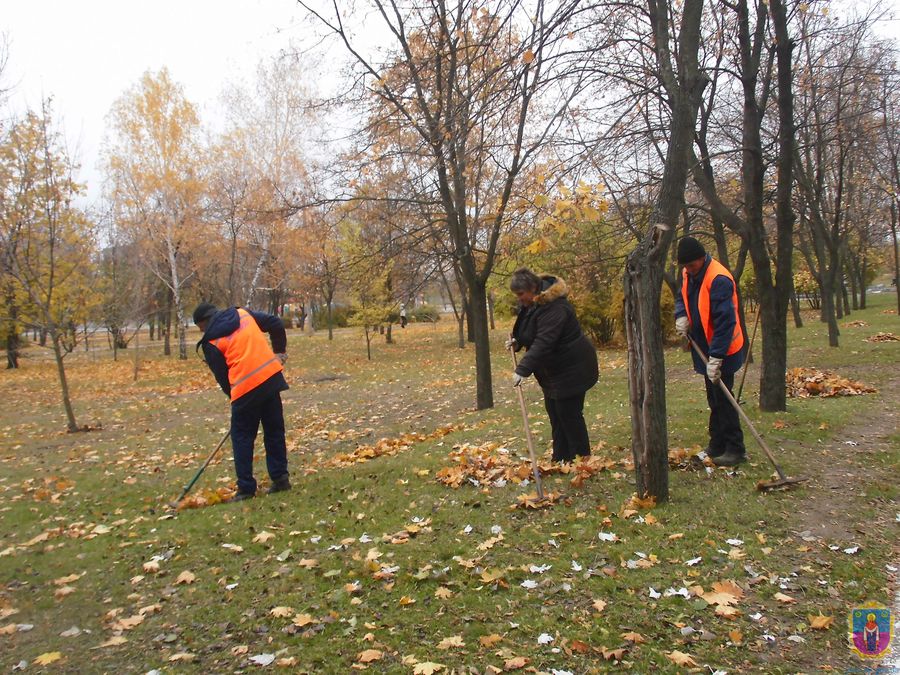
(560, 357)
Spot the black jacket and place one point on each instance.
(559, 355)
(225, 322)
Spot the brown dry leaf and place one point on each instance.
(187, 657)
(450, 642)
(62, 581)
(308, 563)
(427, 668)
(8, 629)
(528, 56)
(62, 592)
(490, 576)
(636, 638)
(737, 637)
(613, 654)
(681, 659)
(820, 622)
(240, 650)
(443, 593)
(369, 655)
(113, 642)
(286, 662)
(515, 663)
(186, 577)
(727, 612)
(724, 594)
(150, 609)
(489, 640)
(636, 502)
(151, 566)
(47, 658)
(599, 605)
(786, 599)
(263, 537)
(580, 647)
(303, 620)
(128, 622)
(281, 612)
(406, 600)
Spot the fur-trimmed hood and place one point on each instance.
(553, 289)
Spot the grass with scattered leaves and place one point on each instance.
(375, 564)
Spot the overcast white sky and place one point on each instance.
(86, 53)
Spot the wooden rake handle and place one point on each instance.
(743, 415)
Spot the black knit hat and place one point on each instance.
(689, 249)
(204, 311)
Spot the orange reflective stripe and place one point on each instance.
(249, 357)
(715, 269)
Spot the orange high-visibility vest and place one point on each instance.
(715, 269)
(248, 355)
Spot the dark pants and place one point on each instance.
(724, 423)
(570, 435)
(244, 427)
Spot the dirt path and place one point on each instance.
(844, 472)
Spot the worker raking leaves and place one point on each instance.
(251, 373)
(706, 310)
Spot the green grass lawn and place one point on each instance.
(377, 565)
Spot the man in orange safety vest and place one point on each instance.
(707, 310)
(250, 373)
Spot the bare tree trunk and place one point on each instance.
(894, 216)
(63, 382)
(137, 352)
(490, 301)
(484, 393)
(795, 310)
(388, 336)
(644, 268)
(13, 341)
(167, 340)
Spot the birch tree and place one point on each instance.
(155, 181)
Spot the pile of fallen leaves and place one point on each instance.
(883, 337)
(490, 465)
(206, 497)
(808, 382)
(855, 324)
(388, 446)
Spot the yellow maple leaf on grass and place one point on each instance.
(681, 659)
(820, 622)
(427, 668)
(452, 641)
(369, 655)
(47, 658)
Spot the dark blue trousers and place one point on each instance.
(724, 422)
(245, 421)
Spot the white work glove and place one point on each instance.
(509, 344)
(517, 380)
(282, 357)
(682, 326)
(714, 369)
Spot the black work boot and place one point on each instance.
(713, 452)
(241, 496)
(730, 458)
(280, 485)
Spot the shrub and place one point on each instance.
(424, 313)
